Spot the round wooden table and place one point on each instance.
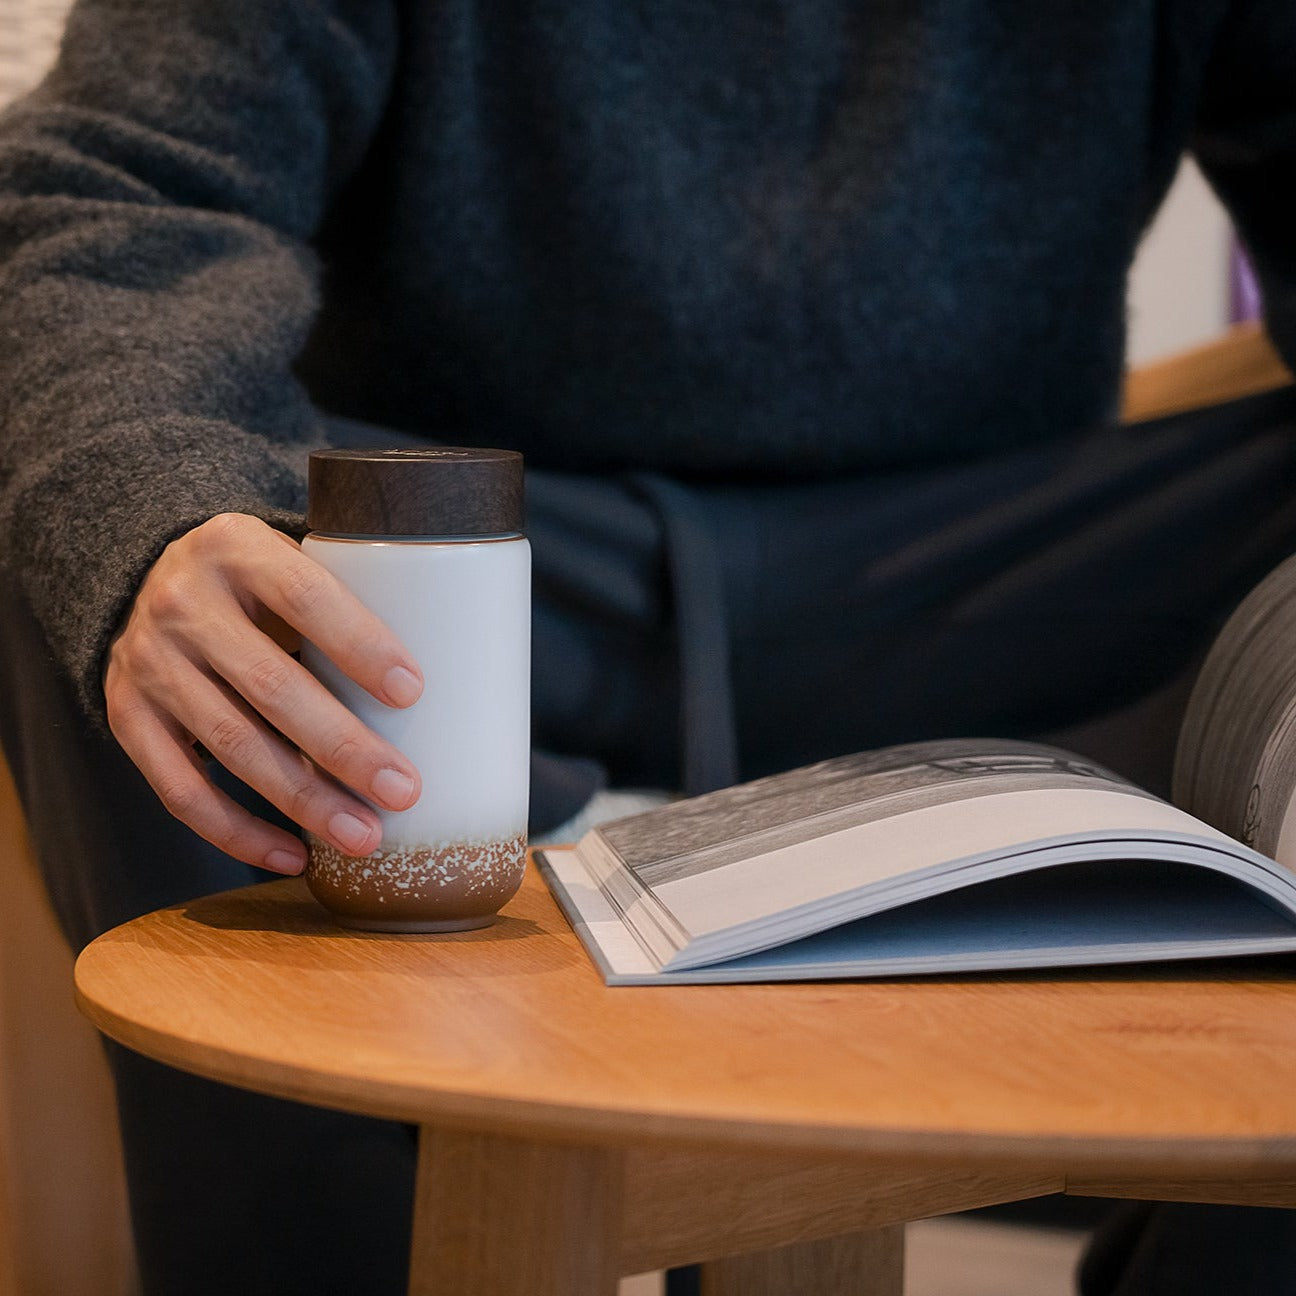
(781, 1134)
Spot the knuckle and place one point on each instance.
(180, 797)
(224, 836)
(269, 678)
(229, 739)
(300, 799)
(216, 541)
(120, 660)
(170, 596)
(239, 846)
(225, 529)
(122, 708)
(139, 660)
(343, 752)
(303, 587)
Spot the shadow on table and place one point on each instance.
(288, 908)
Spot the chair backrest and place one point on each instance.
(64, 1221)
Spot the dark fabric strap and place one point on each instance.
(708, 734)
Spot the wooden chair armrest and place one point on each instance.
(64, 1225)
(1242, 362)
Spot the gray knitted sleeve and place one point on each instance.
(157, 197)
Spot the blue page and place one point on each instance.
(1107, 911)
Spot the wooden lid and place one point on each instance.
(439, 490)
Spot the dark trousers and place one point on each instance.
(1185, 1249)
(1063, 591)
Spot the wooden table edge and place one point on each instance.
(1269, 1160)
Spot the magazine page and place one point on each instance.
(706, 832)
(853, 835)
(1089, 913)
(635, 858)
(1235, 766)
(783, 894)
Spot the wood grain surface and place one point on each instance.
(496, 1215)
(847, 1266)
(1183, 1075)
(64, 1223)
(683, 1205)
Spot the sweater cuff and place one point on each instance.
(82, 535)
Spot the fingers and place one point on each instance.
(317, 606)
(235, 736)
(304, 711)
(167, 760)
(269, 570)
(204, 655)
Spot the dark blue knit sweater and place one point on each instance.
(757, 239)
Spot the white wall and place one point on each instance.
(29, 35)
(1179, 288)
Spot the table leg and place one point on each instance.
(861, 1264)
(500, 1216)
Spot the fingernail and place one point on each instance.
(393, 788)
(282, 861)
(350, 833)
(402, 686)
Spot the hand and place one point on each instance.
(204, 657)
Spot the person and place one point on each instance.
(809, 320)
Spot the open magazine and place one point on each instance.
(969, 854)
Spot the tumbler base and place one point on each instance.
(413, 926)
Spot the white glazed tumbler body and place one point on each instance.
(462, 608)
(430, 540)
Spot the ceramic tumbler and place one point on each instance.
(431, 541)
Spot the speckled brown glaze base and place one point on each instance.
(454, 886)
